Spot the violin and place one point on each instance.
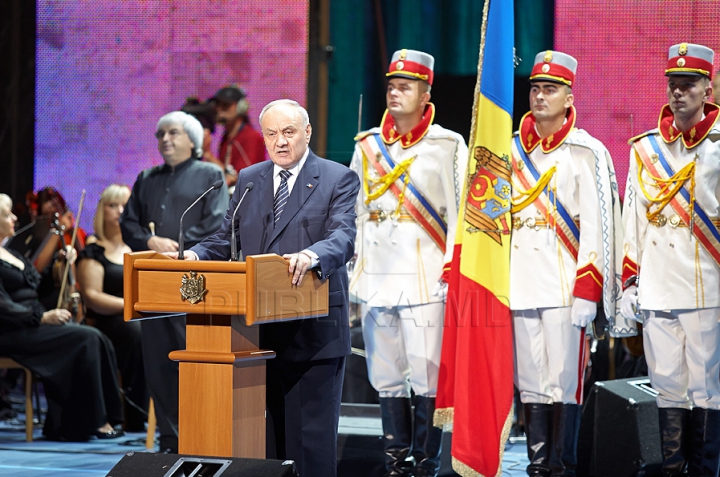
(69, 297)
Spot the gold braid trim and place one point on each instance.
(444, 418)
(670, 187)
(532, 193)
(375, 188)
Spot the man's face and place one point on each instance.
(549, 101)
(405, 97)
(687, 94)
(174, 143)
(226, 112)
(285, 137)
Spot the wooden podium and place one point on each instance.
(222, 369)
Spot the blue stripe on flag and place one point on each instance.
(499, 72)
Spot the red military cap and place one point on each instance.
(555, 67)
(412, 64)
(690, 59)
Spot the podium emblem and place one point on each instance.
(193, 287)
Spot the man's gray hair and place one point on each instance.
(301, 110)
(190, 124)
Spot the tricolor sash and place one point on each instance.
(654, 157)
(377, 155)
(563, 223)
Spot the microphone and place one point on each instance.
(233, 244)
(181, 239)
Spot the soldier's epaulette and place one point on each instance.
(364, 134)
(640, 136)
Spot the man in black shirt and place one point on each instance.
(160, 196)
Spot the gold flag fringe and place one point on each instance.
(444, 418)
(466, 471)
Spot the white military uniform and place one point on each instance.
(545, 276)
(398, 264)
(680, 279)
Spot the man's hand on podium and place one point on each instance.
(300, 263)
(189, 255)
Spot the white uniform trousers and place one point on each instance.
(681, 349)
(402, 345)
(549, 356)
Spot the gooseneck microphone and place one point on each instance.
(233, 244)
(181, 238)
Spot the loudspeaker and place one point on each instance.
(141, 464)
(619, 431)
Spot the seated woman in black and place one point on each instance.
(77, 363)
(100, 277)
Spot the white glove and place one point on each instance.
(629, 304)
(440, 290)
(583, 312)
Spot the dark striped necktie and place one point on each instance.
(281, 196)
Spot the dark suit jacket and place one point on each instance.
(319, 216)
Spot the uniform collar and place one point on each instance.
(696, 134)
(389, 135)
(529, 137)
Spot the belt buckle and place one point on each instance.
(531, 224)
(517, 223)
(382, 215)
(674, 221)
(661, 220)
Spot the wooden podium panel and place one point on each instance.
(222, 369)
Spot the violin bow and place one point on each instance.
(61, 298)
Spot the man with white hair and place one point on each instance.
(160, 196)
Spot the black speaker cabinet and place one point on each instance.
(619, 432)
(141, 464)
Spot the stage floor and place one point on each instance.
(359, 450)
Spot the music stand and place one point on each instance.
(29, 240)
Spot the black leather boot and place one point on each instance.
(674, 432)
(538, 430)
(705, 448)
(397, 425)
(565, 429)
(427, 439)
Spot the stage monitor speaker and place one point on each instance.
(142, 464)
(619, 431)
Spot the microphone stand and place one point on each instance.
(233, 243)
(181, 239)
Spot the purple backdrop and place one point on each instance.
(107, 70)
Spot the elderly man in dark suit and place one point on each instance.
(303, 208)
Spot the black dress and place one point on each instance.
(77, 363)
(126, 338)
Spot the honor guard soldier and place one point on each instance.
(561, 260)
(412, 172)
(671, 219)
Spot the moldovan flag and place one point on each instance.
(475, 392)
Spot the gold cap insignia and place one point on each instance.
(548, 56)
(682, 50)
(545, 68)
(399, 65)
(681, 62)
(403, 54)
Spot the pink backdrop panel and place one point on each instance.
(621, 47)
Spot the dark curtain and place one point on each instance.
(17, 93)
(365, 34)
